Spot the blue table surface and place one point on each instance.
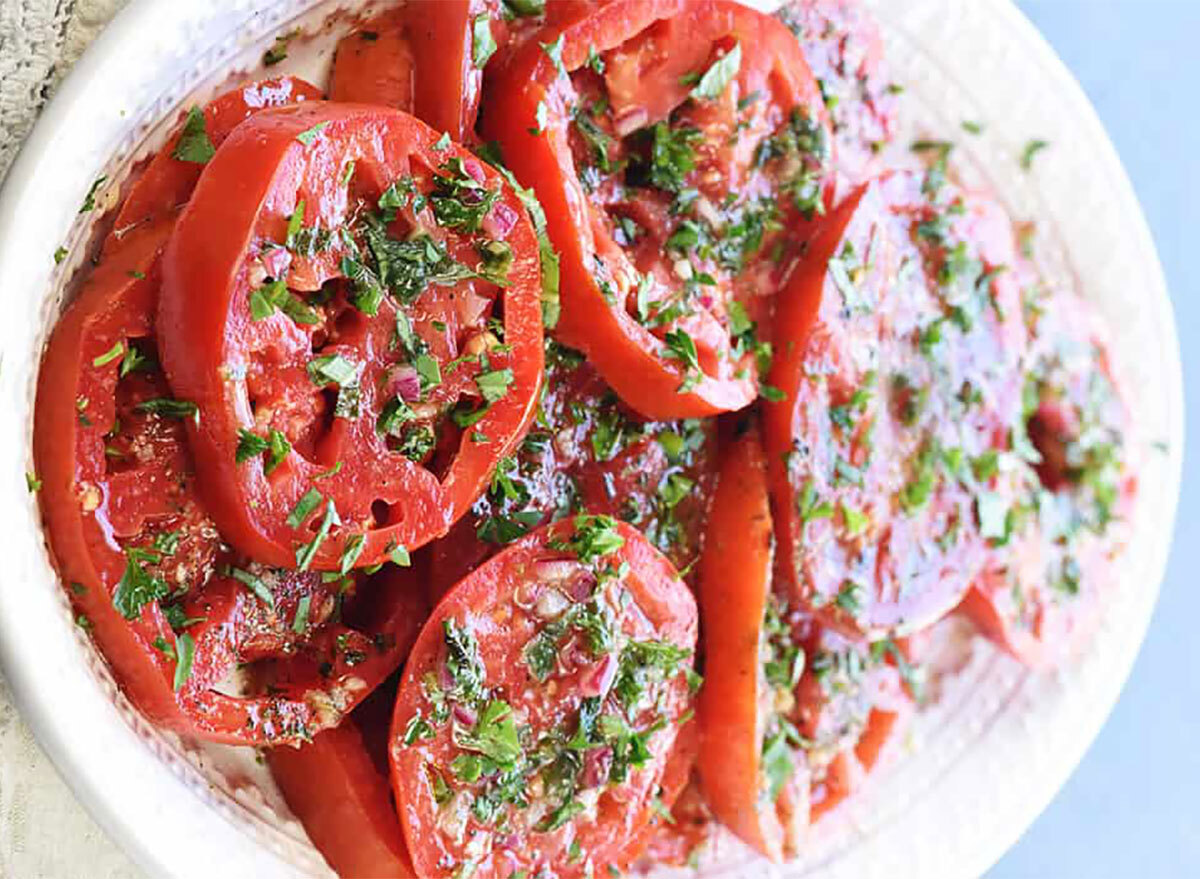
(1132, 809)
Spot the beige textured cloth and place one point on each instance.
(44, 832)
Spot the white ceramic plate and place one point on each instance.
(982, 763)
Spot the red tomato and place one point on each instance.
(168, 180)
(669, 143)
(844, 49)
(1041, 596)
(588, 453)
(899, 349)
(173, 610)
(338, 428)
(737, 700)
(425, 58)
(344, 803)
(792, 715)
(337, 784)
(540, 709)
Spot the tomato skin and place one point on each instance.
(167, 182)
(116, 477)
(1042, 598)
(936, 397)
(344, 803)
(419, 58)
(337, 784)
(630, 480)
(247, 194)
(626, 353)
(844, 49)
(485, 600)
(735, 584)
(106, 309)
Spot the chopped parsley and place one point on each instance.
(194, 144)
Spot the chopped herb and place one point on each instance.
(300, 621)
(60, 254)
(137, 587)
(525, 8)
(332, 369)
(681, 347)
(442, 143)
(672, 157)
(255, 584)
(351, 551)
(594, 61)
(307, 552)
(89, 200)
(399, 556)
(1032, 148)
(717, 78)
(194, 144)
(32, 483)
(595, 536)
(459, 200)
(554, 53)
(494, 385)
(972, 127)
(810, 506)
(310, 135)
(278, 50)
(170, 408)
(249, 445)
(308, 502)
(185, 651)
(483, 46)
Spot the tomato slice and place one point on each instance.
(424, 58)
(792, 714)
(670, 144)
(580, 636)
(352, 303)
(842, 44)
(173, 610)
(1041, 596)
(168, 180)
(587, 452)
(337, 784)
(737, 698)
(899, 346)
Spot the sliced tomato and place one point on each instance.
(173, 610)
(168, 180)
(587, 452)
(669, 143)
(337, 784)
(1041, 595)
(352, 302)
(849, 702)
(737, 699)
(424, 58)
(792, 715)
(899, 343)
(541, 707)
(844, 49)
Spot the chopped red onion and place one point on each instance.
(596, 680)
(597, 763)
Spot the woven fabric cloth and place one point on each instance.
(44, 832)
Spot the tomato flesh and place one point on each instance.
(580, 636)
(1041, 596)
(586, 452)
(623, 120)
(901, 344)
(844, 49)
(377, 320)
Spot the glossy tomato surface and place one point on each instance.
(359, 328)
(669, 143)
(899, 345)
(539, 714)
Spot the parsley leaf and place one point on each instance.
(717, 78)
(194, 144)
